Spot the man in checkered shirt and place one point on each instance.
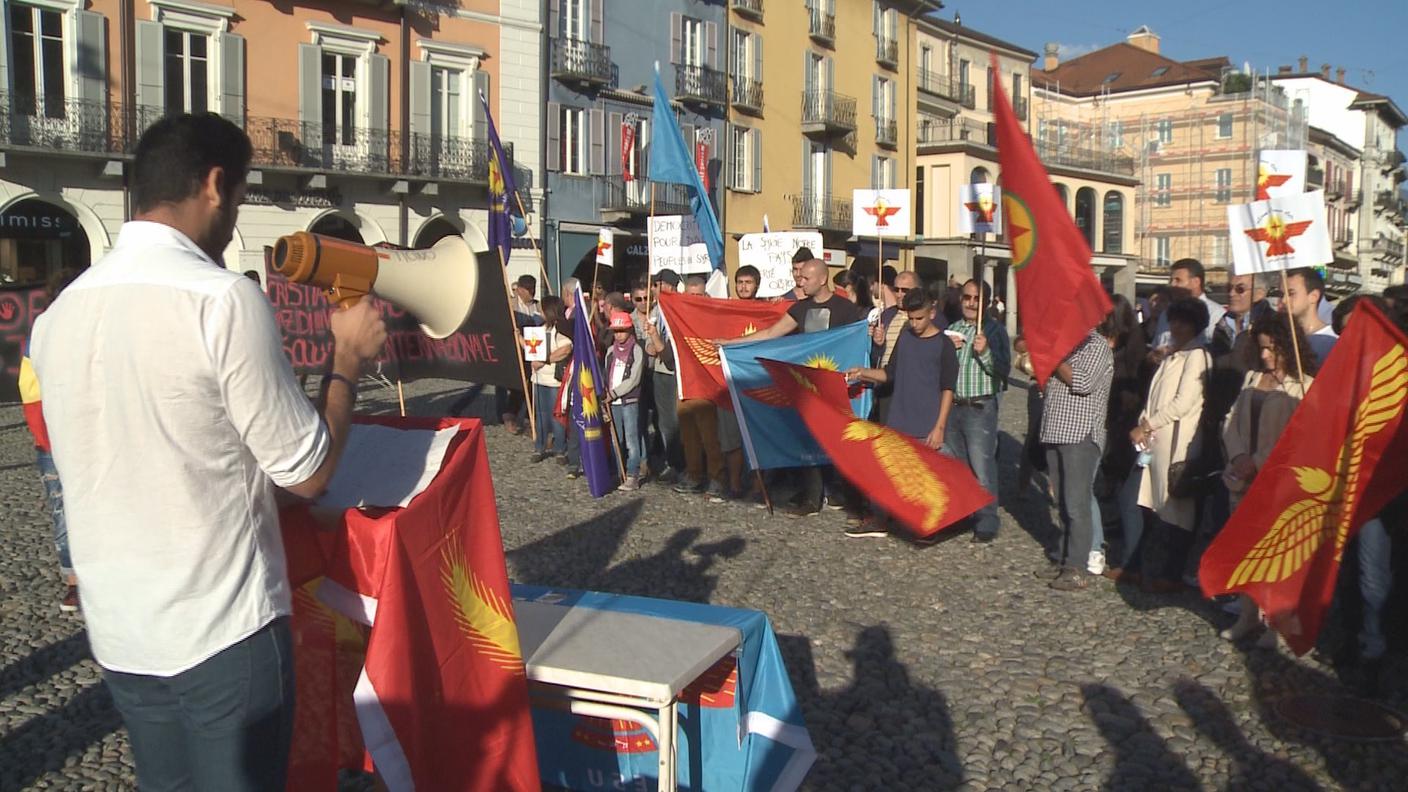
(1073, 430)
(984, 361)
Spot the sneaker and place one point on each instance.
(796, 511)
(983, 538)
(867, 529)
(716, 492)
(1050, 572)
(833, 502)
(537, 457)
(631, 484)
(561, 458)
(687, 487)
(574, 473)
(1070, 580)
(69, 604)
(668, 476)
(1095, 564)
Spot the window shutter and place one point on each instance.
(613, 143)
(480, 116)
(151, 59)
(380, 85)
(808, 72)
(676, 32)
(643, 143)
(232, 78)
(597, 142)
(875, 173)
(757, 43)
(92, 57)
(807, 186)
(757, 143)
(596, 22)
(310, 89)
(4, 60)
(711, 44)
(554, 127)
(875, 24)
(554, 18)
(875, 96)
(687, 132)
(826, 188)
(830, 74)
(420, 102)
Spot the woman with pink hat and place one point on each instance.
(624, 362)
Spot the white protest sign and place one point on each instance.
(535, 344)
(606, 247)
(772, 254)
(1280, 172)
(979, 209)
(675, 243)
(880, 213)
(1282, 233)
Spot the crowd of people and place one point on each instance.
(1148, 434)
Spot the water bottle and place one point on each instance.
(1145, 455)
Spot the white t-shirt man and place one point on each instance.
(173, 415)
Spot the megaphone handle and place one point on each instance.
(344, 294)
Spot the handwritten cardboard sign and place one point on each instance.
(675, 243)
(772, 254)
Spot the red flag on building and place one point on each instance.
(1058, 296)
(695, 322)
(1338, 463)
(923, 489)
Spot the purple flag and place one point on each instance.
(501, 186)
(587, 388)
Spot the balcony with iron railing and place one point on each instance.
(1390, 250)
(1344, 238)
(620, 199)
(827, 112)
(886, 132)
(887, 51)
(748, 95)
(577, 61)
(1084, 158)
(821, 26)
(701, 85)
(109, 129)
(749, 8)
(936, 84)
(955, 130)
(820, 211)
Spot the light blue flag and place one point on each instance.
(774, 435)
(672, 160)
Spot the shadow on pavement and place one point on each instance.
(1213, 720)
(901, 728)
(45, 742)
(1142, 759)
(44, 663)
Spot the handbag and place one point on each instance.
(1182, 476)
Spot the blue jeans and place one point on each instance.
(54, 493)
(971, 437)
(544, 398)
(667, 421)
(224, 725)
(1375, 580)
(1131, 518)
(626, 418)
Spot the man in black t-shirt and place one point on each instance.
(821, 310)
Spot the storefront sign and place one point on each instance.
(306, 199)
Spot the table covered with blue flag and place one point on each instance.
(740, 726)
(774, 435)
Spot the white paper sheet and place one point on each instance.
(382, 466)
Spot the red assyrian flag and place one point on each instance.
(695, 322)
(923, 489)
(1337, 464)
(1058, 296)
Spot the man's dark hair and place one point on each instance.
(1190, 311)
(888, 274)
(803, 253)
(528, 283)
(1396, 296)
(695, 280)
(1193, 267)
(178, 152)
(748, 271)
(1311, 278)
(915, 299)
(1344, 307)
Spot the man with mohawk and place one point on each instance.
(922, 373)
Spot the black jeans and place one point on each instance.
(224, 725)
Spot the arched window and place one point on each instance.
(1114, 223)
(337, 227)
(978, 176)
(38, 240)
(1085, 214)
(434, 231)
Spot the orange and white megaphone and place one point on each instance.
(438, 285)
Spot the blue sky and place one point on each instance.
(1366, 37)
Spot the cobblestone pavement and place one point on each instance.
(941, 667)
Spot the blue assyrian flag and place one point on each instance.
(774, 434)
(501, 186)
(740, 725)
(672, 160)
(587, 387)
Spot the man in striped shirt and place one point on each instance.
(984, 361)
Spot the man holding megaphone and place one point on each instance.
(174, 415)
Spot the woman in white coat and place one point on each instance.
(1168, 427)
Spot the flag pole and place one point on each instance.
(763, 488)
(879, 262)
(1291, 320)
(517, 343)
(649, 251)
(542, 265)
(982, 261)
(401, 397)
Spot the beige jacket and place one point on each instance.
(1238, 433)
(1175, 406)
